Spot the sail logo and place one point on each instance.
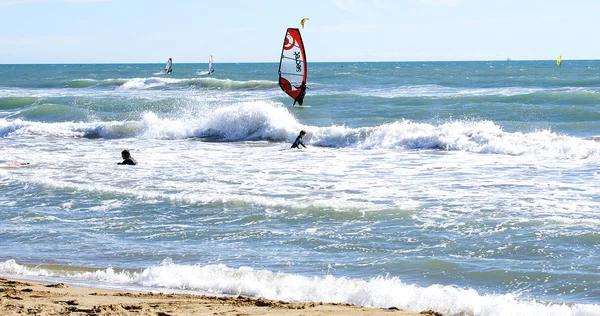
(289, 42)
(298, 62)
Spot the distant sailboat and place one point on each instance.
(210, 67)
(169, 66)
(559, 60)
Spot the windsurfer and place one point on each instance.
(300, 98)
(169, 68)
(298, 142)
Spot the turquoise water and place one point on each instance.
(470, 188)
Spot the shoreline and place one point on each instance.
(24, 297)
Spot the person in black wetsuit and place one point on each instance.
(298, 142)
(128, 160)
(300, 98)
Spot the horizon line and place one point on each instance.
(314, 62)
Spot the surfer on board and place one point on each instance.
(300, 97)
(128, 160)
(298, 142)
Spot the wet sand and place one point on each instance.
(20, 297)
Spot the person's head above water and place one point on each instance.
(302, 133)
(128, 160)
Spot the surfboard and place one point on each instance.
(559, 60)
(292, 65)
(169, 66)
(210, 66)
(17, 164)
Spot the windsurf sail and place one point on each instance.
(302, 22)
(210, 67)
(169, 66)
(292, 65)
(559, 60)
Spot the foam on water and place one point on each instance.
(438, 91)
(202, 82)
(382, 292)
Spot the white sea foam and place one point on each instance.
(227, 84)
(146, 83)
(437, 91)
(379, 292)
(264, 120)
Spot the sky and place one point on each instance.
(151, 31)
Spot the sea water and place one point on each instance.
(469, 188)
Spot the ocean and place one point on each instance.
(469, 188)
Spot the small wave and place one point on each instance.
(148, 83)
(49, 112)
(82, 83)
(158, 81)
(527, 95)
(379, 292)
(208, 83)
(108, 130)
(437, 91)
(257, 120)
(470, 136)
(16, 102)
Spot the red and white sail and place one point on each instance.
(292, 66)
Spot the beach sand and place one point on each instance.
(20, 297)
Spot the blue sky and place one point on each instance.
(150, 31)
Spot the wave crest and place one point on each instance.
(266, 120)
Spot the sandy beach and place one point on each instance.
(19, 297)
